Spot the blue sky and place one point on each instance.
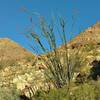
(13, 21)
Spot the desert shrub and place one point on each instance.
(29, 58)
(59, 72)
(81, 78)
(8, 94)
(7, 62)
(86, 91)
(90, 46)
(54, 94)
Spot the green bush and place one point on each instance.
(54, 94)
(8, 94)
(86, 91)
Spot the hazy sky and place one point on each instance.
(14, 21)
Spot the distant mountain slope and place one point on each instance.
(11, 50)
(92, 34)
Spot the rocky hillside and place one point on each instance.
(18, 67)
(11, 50)
(92, 34)
(90, 39)
(88, 42)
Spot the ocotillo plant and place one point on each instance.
(60, 73)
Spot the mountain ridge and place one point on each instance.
(12, 50)
(92, 34)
